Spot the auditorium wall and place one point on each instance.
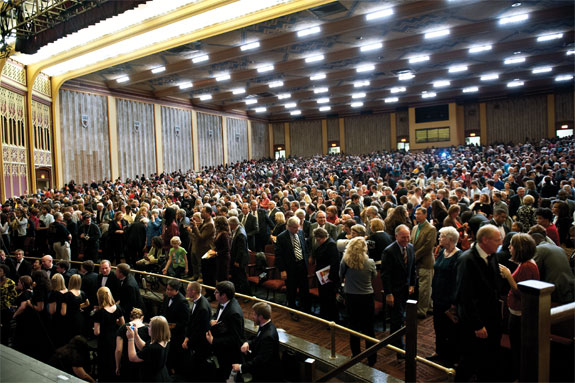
(366, 134)
(260, 140)
(177, 139)
(333, 129)
(306, 138)
(237, 131)
(210, 140)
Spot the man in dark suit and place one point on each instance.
(291, 260)
(48, 265)
(177, 311)
(21, 265)
(63, 267)
(196, 328)
(263, 349)
(398, 277)
(89, 234)
(250, 223)
(326, 254)
(331, 229)
(265, 224)
(129, 291)
(516, 201)
(239, 257)
(498, 220)
(226, 334)
(272, 210)
(108, 279)
(477, 299)
(89, 283)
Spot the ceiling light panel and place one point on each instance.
(564, 77)
(290, 105)
(398, 89)
(428, 94)
(379, 14)
(489, 77)
(542, 69)
(309, 31)
(200, 59)
(317, 76)
(325, 109)
(223, 77)
(365, 68)
(457, 68)
(437, 33)
(571, 52)
(205, 97)
(238, 91)
(513, 19)
(314, 59)
(323, 100)
(265, 68)
(418, 59)
(480, 48)
(295, 112)
(471, 89)
(361, 84)
(320, 90)
(186, 85)
(514, 60)
(390, 100)
(358, 95)
(371, 47)
(250, 101)
(250, 46)
(260, 110)
(406, 76)
(283, 96)
(441, 83)
(549, 37)
(276, 84)
(357, 104)
(159, 69)
(123, 79)
(515, 84)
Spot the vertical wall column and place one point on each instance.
(324, 136)
(249, 133)
(30, 138)
(271, 139)
(393, 130)
(195, 146)
(287, 139)
(483, 123)
(225, 138)
(57, 141)
(551, 116)
(113, 134)
(342, 135)
(460, 124)
(158, 138)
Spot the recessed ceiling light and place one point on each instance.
(283, 96)
(571, 52)
(295, 112)
(360, 84)
(441, 84)
(205, 97)
(313, 59)
(437, 33)
(356, 104)
(371, 47)
(309, 31)
(513, 19)
(159, 69)
(317, 76)
(200, 59)
(379, 14)
(489, 77)
(238, 91)
(541, 69)
(552, 36)
(186, 85)
(275, 84)
(260, 110)
(365, 68)
(515, 5)
(323, 100)
(514, 60)
(428, 94)
(325, 109)
(290, 105)
(389, 100)
(564, 77)
(397, 89)
(250, 101)
(265, 68)
(457, 68)
(480, 48)
(247, 47)
(358, 95)
(320, 90)
(123, 79)
(418, 59)
(471, 89)
(514, 84)
(223, 77)
(406, 76)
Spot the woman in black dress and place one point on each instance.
(22, 317)
(222, 243)
(153, 355)
(57, 326)
(37, 308)
(73, 358)
(74, 302)
(126, 370)
(106, 322)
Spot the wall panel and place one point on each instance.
(279, 133)
(237, 131)
(210, 140)
(564, 104)
(85, 137)
(333, 129)
(471, 117)
(402, 123)
(136, 142)
(177, 139)
(260, 140)
(305, 138)
(366, 134)
(517, 119)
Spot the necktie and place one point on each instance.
(193, 306)
(244, 220)
(404, 252)
(296, 247)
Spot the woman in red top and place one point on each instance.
(522, 249)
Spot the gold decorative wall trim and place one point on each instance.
(42, 85)
(14, 71)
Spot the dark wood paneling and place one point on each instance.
(210, 141)
(260, 140)
(237, 131)
(471, 117)
(366, 134)
(177, 139)
(305, 138)
(516, 120)
(279, 133)
(333, 129)
(564, 107)
(402, 123)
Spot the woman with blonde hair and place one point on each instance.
(357, 269)
(126, 370)
(153, 355)
(74, 302)
(106, 322)
(55, 300)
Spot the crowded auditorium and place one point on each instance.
(287, 191)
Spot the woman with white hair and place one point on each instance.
(443, 295)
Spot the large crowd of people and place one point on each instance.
(456, 228)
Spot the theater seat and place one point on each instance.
(275, 283)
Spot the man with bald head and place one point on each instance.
(477, 297)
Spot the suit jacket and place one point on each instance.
(477, 291)
(328, 255)
(285, 257)
(51, 271)
(329, 227)
(424, 245)
(112, 283)
(492, 222)
(177, 313)
(198, 325)
(264, 365)
(397, 276)
(130, 297)
(514, 204)
(265, 224)
(239, 251)
(251, 225)
(228, 334)
(90, 287)
(272, 215)
(24, 269)
(554, 268)
(380, 241)
(205, 237)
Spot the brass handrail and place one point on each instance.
(333, 326)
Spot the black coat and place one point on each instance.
(112, 283)
(285, 257)
(380, 241)
(24, 269)
(264, 365)
(265, 223)
(327, 254)
(136, 235)
(197, 327)
(397, 276)
(90, 287)
(239, 250)
(177, 313)
(130, 296)
(228, 335)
